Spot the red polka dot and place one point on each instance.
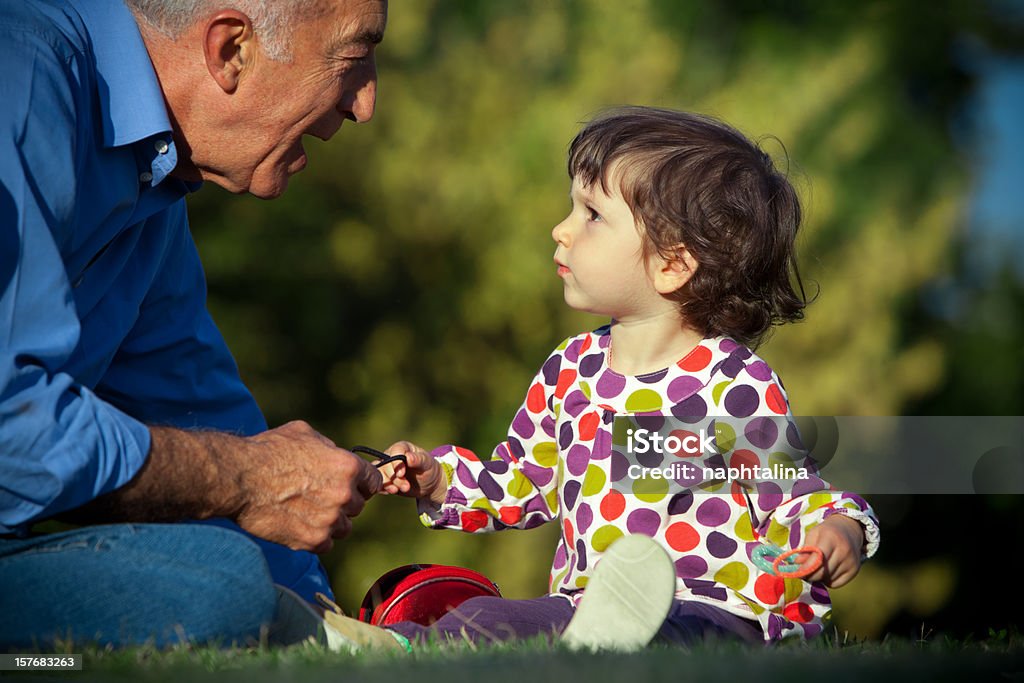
(769, 589)
(689, 444)
(535, 402)
(775, 400)
(799, 612)
(743, 457)
(588, 426)
(466, 453)
(473, 520)
(510, 514)
(565, 380)
(682, 537)
(586, 344)
(737, 495)
(568, 533)
(697, 359)
(612, 505)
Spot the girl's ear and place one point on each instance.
(670, 274)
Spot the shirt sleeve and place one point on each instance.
(61, 445)
(785, 510)
(518, 486)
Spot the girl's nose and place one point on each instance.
(560, 233)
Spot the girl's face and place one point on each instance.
(600, 258)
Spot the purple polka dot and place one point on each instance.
(515, 448)
(488, 486)
(720, 545)
(691, 566)
(550, 370)
(584, 518)
(820, 594)
(610, 384)
(495, 466)
(712, 591)
(565, 435)
(775, 624)
(769, 495)
(759, 370)
(456, 497)
(620, 466)
(730, 367)
(533, 522)
(602, 445)
(643, 521)
(572, 352)
(589, 365)
(604, 340)
(464, 475)
(727, 346)
(742, 352)
(577, 459)
(581, 555)
(761, 432)
(570, 494)
(691, 410)
(650, 421)
(653, 377)
(683, 387)
(522, 425)
(801, 487)
(793, 436)
(651, 458)
(794, 510)
(811, 630)
(540, 476)
(680, 503)
(713, 512)
(537, 504)
(575, 403)
(794, 535)
(741, 400)
(559, 560)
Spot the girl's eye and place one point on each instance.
(593, 215)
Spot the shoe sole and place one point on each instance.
(627, 598)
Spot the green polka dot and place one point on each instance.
(794, 587)
(585, 388)
(552, 500)
(643, 401)
(725, 436)
(558, 411)
(756, 608)
(563, 345)
(734, 575)
(778, 534)
(716, 393)
(827, 616)
(546, 454)
(520, 486)
(594, 480)
(484, 504)
(620, 431)
(650, 490)
(743, 529)
(816, 500)
(604, 537)
(555, 582)
(781, 459)
(449, 473)
(581, 581)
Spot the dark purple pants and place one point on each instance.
(487, 619)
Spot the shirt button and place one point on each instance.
(161, 146)
(145, 177)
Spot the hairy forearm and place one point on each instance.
(188, 475)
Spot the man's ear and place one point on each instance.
(228, 46)
(670, 274)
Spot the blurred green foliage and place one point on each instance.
(403, 287)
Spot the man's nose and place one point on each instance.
(360, 100)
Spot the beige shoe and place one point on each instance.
(627, 598)
(298, 621)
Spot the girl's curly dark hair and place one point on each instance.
(692, 180)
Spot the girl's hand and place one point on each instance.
(841, 541)
(423, 477)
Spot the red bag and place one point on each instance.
(422, 593)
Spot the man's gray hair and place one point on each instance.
(272, 20)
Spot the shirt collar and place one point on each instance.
(131, 102)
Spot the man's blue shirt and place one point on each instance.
(103, 320)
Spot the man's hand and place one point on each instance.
(422, 477)
(301, 490)
(841, 541)
(290, 485)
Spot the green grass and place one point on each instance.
(998, 657)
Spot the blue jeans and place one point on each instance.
(128, 584)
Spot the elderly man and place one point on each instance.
(119, 401)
